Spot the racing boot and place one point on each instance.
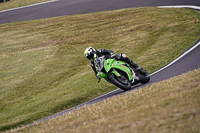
(141, 71)
(135, 66)
(130, 62)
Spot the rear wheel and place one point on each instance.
(121, 81)
(143, 75)
(144, 79)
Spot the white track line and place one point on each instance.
(181, 6)
(188, 51)
(28, 6)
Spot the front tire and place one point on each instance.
(116, 81)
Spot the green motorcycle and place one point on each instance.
(119, 73)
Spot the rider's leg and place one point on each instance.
(124, 58)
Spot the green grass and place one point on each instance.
(168, 106)
(18, 3)
(43, 70)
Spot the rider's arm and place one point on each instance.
(93, 67)
(95, 71)
(104, 51)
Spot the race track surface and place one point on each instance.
(69, 7)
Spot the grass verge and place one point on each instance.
(43, 69)
(18, 3)
(169, 106)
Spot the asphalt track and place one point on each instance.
(189, 60)
(68, 7)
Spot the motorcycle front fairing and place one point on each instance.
(111, 65)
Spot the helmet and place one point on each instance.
(90, 53)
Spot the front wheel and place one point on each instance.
(121, 82)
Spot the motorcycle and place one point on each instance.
(119, 73)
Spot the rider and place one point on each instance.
(92, 54)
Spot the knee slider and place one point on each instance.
(123, 55)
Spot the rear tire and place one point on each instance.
(116, 82)
(144, 76)
(144, 79)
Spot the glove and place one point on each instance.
(99, 79)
